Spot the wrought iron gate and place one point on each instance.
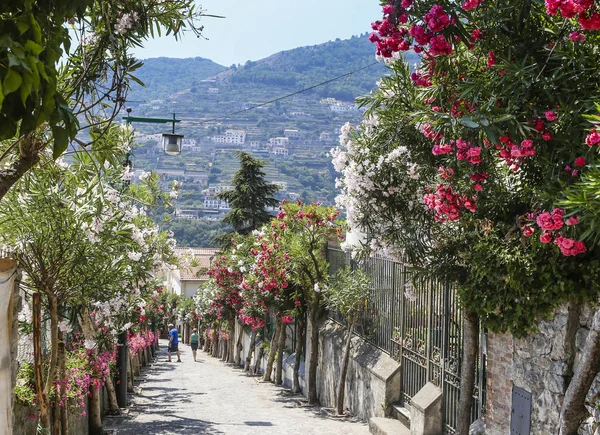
(419, 323)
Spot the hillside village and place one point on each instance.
(291, 131)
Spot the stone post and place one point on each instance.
(8, 273)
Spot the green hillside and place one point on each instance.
(163, 76)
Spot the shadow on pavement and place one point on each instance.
(175, 426)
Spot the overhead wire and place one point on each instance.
(227, 115)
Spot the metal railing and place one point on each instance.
(419, 323)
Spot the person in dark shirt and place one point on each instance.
(194, 342)
(173, 342)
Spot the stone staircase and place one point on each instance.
(397, 424)
(423, 418)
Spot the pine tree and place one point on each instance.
(250, 197)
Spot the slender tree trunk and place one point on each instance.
(95, 421)
(250, 350)
(64, 409)
(231, 340)
(573, 410)
(130, 375)
(273, 350)
(313, 316)
(113, 405)
(467, 372)
(259, 357)
(239, 347)
(280, 349)
(215, 343)
(342, 382)
(42, 397)
(56, 417)
(299, 350)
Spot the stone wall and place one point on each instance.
(26, 419)
(373, 378)
(542, 363)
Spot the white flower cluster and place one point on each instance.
(126, 22)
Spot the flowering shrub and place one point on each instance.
(484, 148)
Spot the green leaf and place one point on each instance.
(61, 140)
(468, 122)
(34, 48)
(12, 81)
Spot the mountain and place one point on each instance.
(305, 94)
(163, 75)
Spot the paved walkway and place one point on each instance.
(210, 397)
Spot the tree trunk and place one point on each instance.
(298, 357)
(64, 409)
(130, 375)
(573, 410)
(313, 315)
(342, 383)
(239, 347)
(273, 350)
(17, 169)
(467, 372)
(259, 357)
(41, 393)
(95, 421)
(215, 342)
(250, 350)
(56, 417)
(6, 332)
(280, 349)
(231, 340)
(113, 405)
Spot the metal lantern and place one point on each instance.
(172, 143)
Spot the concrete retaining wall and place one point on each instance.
(373, 378)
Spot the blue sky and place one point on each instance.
(256, 29)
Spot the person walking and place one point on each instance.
(173, 342)
(194, 339)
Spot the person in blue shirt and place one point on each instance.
(173, 342)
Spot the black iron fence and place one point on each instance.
(419, 323)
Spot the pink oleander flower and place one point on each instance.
(551, 221)
(491, 59)
(471, 4)
(551, 115)
(580, 161)
(577, 37)
(436, 19)
(528, 230)
(477, 187)
(593, 138)
(546, 136)
(546, 237)
(573, 220)
(476, 34)
(570, 247)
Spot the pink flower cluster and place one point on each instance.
(593, 138)
(468, 152)
(448, 205)
(392, 36)
(513, 153)
(549, 223)
(584, 10)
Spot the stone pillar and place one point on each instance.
(8, 273)
(499, 383)
(426, 411)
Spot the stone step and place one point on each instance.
(387, 426)
(399, 412)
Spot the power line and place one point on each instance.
(227, 115)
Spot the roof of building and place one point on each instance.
(203, 256)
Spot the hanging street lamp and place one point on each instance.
(171, 141)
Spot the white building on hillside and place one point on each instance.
(237, 137)
(279, 141)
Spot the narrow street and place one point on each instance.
(210, 397)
